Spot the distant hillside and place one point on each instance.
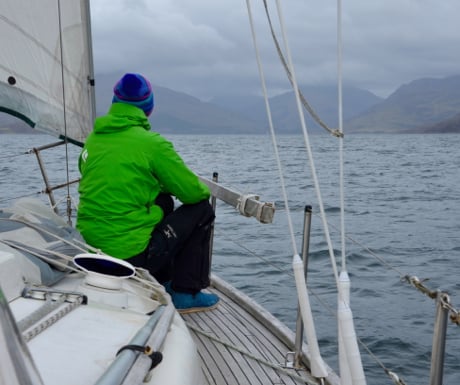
(176, 112)
(424, 105)
(323, 100)
(412, 108)
(451, 125)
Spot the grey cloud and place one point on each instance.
(205, 47)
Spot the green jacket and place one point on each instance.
(123, 167)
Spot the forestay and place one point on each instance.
(46, 76)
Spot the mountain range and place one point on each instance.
(422, 106)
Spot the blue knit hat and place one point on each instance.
(136, 90)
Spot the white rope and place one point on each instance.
(396, 379)
(455, 314)
(78, 244)
(307, 144)
(35, 251)
(307, 106)
(318, 368)
(272, 131)
(351, 366)
(341, 138)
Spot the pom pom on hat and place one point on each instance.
(136, 90)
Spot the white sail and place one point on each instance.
(46, 74)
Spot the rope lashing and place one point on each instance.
(417, 283)
(433, 294)
(241, 206)
(242, 203)
(155, 357)
(395, 378)
(455, 317)
(454, 313)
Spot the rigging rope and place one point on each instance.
(306, 138)
(146, 282)
(64, 105)
(36, 253)
(338, 132)
(81, 245)
(325, 305)
(305, 103)
(142, 279)
(414, 281)
(272, 130)
(307, 144)
(341, 143)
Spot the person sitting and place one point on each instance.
(129, 176)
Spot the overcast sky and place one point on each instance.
(205, 48)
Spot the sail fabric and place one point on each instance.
(46, 65)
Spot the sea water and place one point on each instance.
(402, 218)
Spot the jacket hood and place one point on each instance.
(121, 117)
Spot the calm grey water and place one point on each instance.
(402, 197)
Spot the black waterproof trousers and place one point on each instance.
(179, 246)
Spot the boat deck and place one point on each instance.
(241, 343)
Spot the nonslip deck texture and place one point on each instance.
(232, 327)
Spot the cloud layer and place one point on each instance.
(205, 47)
